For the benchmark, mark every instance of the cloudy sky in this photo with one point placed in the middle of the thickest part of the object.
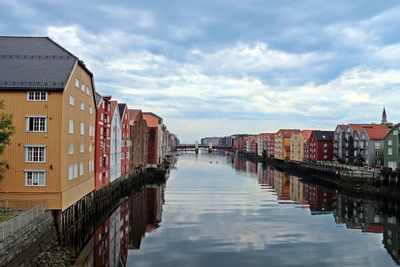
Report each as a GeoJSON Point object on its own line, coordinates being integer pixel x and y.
{"type": "Point", "coordinates": [227, 66]}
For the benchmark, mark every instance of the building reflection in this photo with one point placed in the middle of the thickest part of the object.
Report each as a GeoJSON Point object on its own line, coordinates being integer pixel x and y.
{"type": "Point", "coordinates": [368, 216]}
{"type": "Point", "coordinates": [124, 229]}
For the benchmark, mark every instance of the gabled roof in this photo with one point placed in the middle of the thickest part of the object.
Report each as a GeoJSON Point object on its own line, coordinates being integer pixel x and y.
{"type": "Point", "coordinates": [121, 107]}
{"type": "Point", "coordinates": [98, 98]}
{"type": "Point", "coordinates": [152, 119]}
{"type": "Point", "coordinates": [306, 134]}
{"type": "Point", "coordinates": [35, 63]}
{"type": "Point", "coordinates": [377, 133]}
{"type": "Point", "coordinates": [323, 135]}
{"type": "Point", "coordinates": [133, 114]}
{"type": "Point", "coordinates": [287, 133]}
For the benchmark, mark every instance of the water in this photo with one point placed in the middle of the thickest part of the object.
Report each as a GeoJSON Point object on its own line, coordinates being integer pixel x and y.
{"type": "Point", "coordinates": [219, 211]}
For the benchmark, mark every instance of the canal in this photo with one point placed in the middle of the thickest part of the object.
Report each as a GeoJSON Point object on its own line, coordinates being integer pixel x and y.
{"type": "Point", "coordinates": [216, 210]}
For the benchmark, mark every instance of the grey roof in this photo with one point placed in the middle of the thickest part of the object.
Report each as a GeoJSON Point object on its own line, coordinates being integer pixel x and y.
{"type": "Point", "coordinates": [324, 135]}
{"type": "Point", "coordinates": [121, 107]}
{"type": "Point", "coordinates": [34, 63]}
{"type": "Point", "coordinates": [98, 98]}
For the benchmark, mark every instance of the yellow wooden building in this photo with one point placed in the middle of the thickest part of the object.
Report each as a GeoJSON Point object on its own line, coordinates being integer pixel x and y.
{"type": "Point", "coordinates": [297, 144]}
{"type": "Point", "coordinates": [50, 94]}
{"type": "Point", "coordinates": [282, 143]}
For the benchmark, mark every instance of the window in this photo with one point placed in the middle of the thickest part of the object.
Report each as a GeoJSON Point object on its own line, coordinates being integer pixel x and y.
{"type": "Point", "coordinates": [82, 148]}
{"type": "Point", "coordinates": [90, 110]}
{"type": "Point", "coordinates": [390, 152]}
{"type": "Point", "coordinates": [77, 83]}
{"type": "Point", "coordinates": [71, 100]}
{"type": "Point", "coordinates": [35, 178]}
{"type": "Point", "coordinates": [395, 132]}
{"type": "Point", "coordinates": [377, 145]}
{"type": "Point", "coordinates": [87, 90]}
{"type": "Point", "coordinates": [91, 130]}
{"type": "Point", "coordinates": [70, 149]}
{"type": "Point", "coordinates": [82, 105]}
{"type": "Point", "coordinates": [37, 96]}
{"type": "Point", "coordinates": [36, 124]}
{"type": "Point", "coordinates": [82, 128]}
{"type": "Point", "coordinates": [81, 169]}
{"type": "Point", "coordinates": [390, 142]}
{"type": "Point", "coordinates": [90, 148]}
{"type": "Point", "coordinates": [101, 161]}
{"type": "Point", "coordinates": [325, 151]}
{"type": "Point", "coordinates": [35, 154]}
{"type": "Point", "coordinates": [75, 170]}
{"type": "Point", "coordinates": [325, 145]}
{"type": "Point", "coordinates": [82, 87]}
{"type": "Point", "coordinates": [122, 155]}
{"type": "Point", "coordinates": [71, 126]}
{"type": "Point", "coordinates": [127, 155]}
{"type": "Point", "coordinates": [71, 172]}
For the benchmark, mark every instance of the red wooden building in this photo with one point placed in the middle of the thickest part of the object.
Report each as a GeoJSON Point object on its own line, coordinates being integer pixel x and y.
{"type": "Point", "coordinates": [154, 138]}
{"type": "Point", "coordinates": [102, 142]}
{"type": "Point", "coordinates": [320, 146]}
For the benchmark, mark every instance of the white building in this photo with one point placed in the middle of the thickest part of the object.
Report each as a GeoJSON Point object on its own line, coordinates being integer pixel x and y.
{"type": "Point", "coordinates": [115, 143]}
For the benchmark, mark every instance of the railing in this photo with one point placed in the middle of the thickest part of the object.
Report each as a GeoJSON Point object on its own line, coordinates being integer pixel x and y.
{"type": "Point", "coordinates": [9, 227]}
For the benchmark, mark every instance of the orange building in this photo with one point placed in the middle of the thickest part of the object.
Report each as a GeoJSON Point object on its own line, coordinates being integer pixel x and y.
{"type": "Point", "coordinates": [282, 143]}
{"type": "Point", "coordinates": [51, 95]}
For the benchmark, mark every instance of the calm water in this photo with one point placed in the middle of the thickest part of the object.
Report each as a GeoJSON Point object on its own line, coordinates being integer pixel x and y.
{"type": "Point", "coordinates": [219, 211]}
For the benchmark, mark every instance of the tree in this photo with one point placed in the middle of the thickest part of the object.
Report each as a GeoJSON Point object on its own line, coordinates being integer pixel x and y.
{"type": "Point", "coordinates": [389, 124]}
{"type": "Point", "coordinates": [6, 131]}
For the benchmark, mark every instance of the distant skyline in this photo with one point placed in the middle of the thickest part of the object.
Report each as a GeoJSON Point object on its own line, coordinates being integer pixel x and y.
{"type": "Point", "coordinates": [228, 67]}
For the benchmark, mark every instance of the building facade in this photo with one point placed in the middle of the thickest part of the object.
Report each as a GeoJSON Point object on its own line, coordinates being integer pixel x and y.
{"type": "Point", "coordinates": [391, 148]}
{"type": "Point", "coordinates": [126, 142]}
{"type": "Point", "coordinates": [297, 144]}
{"type": "Point", "coordinates": [262, 143]}
{"type": "Point", "coordinates": [115, 142]}
{"type": "Point", "coordinates": [51, 155]}
{"type": "Point", "coordinates": [370, 145]}
{"type": "Point", "coordinates": [139, 137]}
{"type": "Point", "coordinates": [154, 151]}
{"type": "Point", "coordinates": [103, 139]}
{"type": "Point", "coordinates": [282, 143]}
{"type": "Point", "coordinates": [321, 146]}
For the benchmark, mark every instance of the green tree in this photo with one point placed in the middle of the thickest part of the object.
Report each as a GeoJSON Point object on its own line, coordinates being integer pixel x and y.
{"type": "Point", "coordinates": [389, 124]}
{"type": "Point", "coordinates": [6, 131]}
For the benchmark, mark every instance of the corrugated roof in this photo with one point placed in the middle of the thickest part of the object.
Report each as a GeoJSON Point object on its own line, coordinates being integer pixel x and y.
{"type": "Point", "coordinates": [34, 63]}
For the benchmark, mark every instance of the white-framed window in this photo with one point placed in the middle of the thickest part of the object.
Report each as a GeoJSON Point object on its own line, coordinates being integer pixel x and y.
{"type": "Point", "coordinates": [82, 148]}
{"type": "Point", "coordinates": [35, 153]}
{"type": "Point", "coordinates": [76, 170]}
{"type": "Point", "coordinates": [390, 151]}
{"type": "Point", "coordinates": [101, 161]}
{"type": "Point", "coordinates": [71, 126]}
{"type": "Point", "coordinates": [91, 130]}
{"type": "Point", "coordinates": [37, 96]}
{"type": "Point", "coordinates": [36, 124]}
{"type": "Point", "coordinates": [82, 128]}
{"type": "Point", "coordinates": [122, 155]}
{"type": "Point", "coordinates": [81, 171]}
{"type": "Point", "coordinates": [87, 90]}
{"type": "Point", "coordinates": [82, 105]}
{"type": "Point", "coordinates": [77, 83]}
{"type": "Point", "coordinates": [35, 178]}
{"type": "Point", "coordinates": [392, 164]}
{"type": "Point", "coordinates": [390, 142]}
{"type": "Point", "coordinates": [325, 151]}
{"type": "Point", "coordinates": [90, 110]}
{"type": "Point", "coordinates": [325, 156]}
{"type": "Point", "coordinates": [71, 100]}
{"type": "Point", "coordinates": [71, 172]}
{"type": "Point", "coordinates": [127, 155]}
{"type": "Point", "coordinates": [70, 149]}
{"type": "Point", "coordinates": [377, 145]}
{"type": "Point", "coordinates": [395, 132]}
{"type": "Point", "coordinates": [325, 145]}
{"type": "Point", "coordinates": [90, 148]}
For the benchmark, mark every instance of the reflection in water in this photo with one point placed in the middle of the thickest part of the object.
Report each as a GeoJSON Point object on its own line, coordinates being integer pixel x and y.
{"type": "Point", "coordinates": [217, 216]}
{"type": "Point", "coordinates": [125, 228]}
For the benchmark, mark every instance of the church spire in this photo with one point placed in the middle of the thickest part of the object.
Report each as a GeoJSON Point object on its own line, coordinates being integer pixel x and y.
{"type": "Point", "coordinates": [384, 117]}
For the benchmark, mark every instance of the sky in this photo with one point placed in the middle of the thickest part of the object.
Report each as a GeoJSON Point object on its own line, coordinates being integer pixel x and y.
{"type": "Point", "coordinates": [215, 68]}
